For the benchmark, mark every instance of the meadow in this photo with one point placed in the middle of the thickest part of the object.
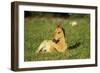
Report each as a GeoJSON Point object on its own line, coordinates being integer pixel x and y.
{"type": "Point", "coordinates": [41, 27]}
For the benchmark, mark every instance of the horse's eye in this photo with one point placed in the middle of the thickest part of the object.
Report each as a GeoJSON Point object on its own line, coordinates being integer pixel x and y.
{"type": "Point", "coordinates": [59, 32]}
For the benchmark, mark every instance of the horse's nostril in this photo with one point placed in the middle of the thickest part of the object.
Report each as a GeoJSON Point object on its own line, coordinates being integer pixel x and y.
{"type": "Point", "coordinates": [54, 40]}
{"type": "Point", "coordinates": [57, 41]}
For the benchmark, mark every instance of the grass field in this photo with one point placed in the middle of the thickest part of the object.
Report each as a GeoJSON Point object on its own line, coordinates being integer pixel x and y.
{"type": "Point", "coordinates": [37, 29]}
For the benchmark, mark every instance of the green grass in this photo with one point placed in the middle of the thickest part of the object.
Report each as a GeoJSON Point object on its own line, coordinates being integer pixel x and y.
{"type": "Point", "coordinates": [37, 29]}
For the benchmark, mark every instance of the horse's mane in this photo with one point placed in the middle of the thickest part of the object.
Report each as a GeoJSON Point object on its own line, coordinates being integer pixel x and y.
{"type": "Point", "coordinates": [63, 31]}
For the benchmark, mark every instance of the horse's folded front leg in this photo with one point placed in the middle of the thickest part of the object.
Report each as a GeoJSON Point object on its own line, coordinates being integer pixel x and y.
{"type": "Point", "coordinates": [55, 47]}
{"type": "Point", "coordinates": [58, 48]}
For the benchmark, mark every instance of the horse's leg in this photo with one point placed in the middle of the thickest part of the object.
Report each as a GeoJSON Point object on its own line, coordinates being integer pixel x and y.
{"type": "Point", "coordinates": [40, 48]}
{"type": "Point", "coordinates": [58, 48]}
{"type": "Point", "coordinates": [55, 47]}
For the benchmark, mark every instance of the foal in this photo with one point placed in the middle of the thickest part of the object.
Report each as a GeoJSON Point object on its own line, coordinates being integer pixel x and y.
{"type": "Point", "coordinates": [56, 44]}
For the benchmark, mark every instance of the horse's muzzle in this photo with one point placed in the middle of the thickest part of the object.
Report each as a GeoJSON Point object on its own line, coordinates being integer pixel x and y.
{"type": "Point", "coordinates": [55, 41]}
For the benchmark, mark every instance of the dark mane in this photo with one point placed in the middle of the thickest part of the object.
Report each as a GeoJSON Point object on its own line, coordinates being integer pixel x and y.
{"type": "Point", "coordinates": [63, 31]}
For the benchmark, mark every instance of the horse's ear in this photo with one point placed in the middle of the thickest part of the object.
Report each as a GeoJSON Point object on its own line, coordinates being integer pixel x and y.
{"type": "Point", "coordinates": [59, 25]}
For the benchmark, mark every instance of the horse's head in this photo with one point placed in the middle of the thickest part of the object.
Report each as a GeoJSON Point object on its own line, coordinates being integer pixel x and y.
{"type": "Point", "coordinates": [59, 33]}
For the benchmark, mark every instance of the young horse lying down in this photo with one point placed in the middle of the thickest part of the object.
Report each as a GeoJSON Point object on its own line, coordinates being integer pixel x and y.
{"type": "Point", "coordinates": [56, 44]}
